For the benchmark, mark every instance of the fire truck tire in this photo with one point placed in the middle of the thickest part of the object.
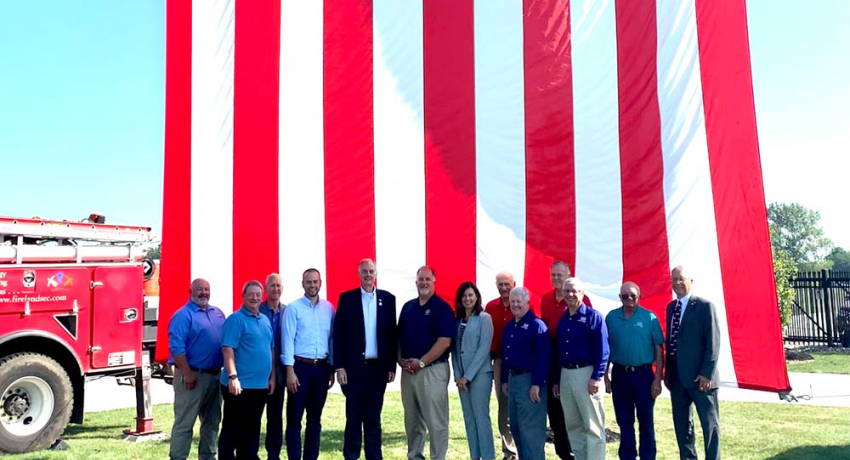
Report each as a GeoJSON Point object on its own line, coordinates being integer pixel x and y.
{"type": "Point", "coordinates": [36, 401]}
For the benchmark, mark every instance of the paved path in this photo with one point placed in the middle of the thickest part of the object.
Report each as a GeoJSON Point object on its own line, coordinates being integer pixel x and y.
{"type": "Point", "coordinates": [810, 389]}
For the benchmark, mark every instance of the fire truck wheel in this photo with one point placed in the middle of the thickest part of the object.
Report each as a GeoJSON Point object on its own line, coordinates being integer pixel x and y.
{"type": "Point", "coordinates": [35, 402]}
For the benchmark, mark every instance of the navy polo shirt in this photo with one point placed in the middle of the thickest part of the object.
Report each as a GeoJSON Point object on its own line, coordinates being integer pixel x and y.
{"type": "Point", "coordinates": [526, 347]}
{"type": "Point", "coordinates": [250, 336]}
{"type": "Point", "coordinates": [419, 327]}
{"type": "Point", "coordinates": [583, 339]}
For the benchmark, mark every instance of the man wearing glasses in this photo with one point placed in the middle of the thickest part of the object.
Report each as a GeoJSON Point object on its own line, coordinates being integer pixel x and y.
{"type": "Point", "coordinates": [635, 339]}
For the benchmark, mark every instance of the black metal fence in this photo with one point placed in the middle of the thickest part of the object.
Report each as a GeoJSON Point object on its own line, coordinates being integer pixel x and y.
{"type": "Point", "coordinates": [821, 309]}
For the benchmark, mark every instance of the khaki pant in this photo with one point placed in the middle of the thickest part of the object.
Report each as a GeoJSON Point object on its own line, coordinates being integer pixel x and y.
{"type": "Point", "coordinates": [425, 397]}
{"type": "Point", "coordinates": [508, 446]}
{"type": "Point", "coordinates": [204, 402]}
{"type": "Point", "coordinates": [583, 414]}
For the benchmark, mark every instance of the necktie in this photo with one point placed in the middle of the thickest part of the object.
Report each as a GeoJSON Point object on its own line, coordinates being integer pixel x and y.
{"type": "Point", "coordinates": [674, 328]}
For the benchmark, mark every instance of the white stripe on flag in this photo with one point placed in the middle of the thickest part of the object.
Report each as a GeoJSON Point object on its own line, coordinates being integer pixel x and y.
{"type": "Point", "coordinates": [689, 203]}
{"type": "Point", "coordinates": [399, 145]}
{"type": "Point", "coordinates": [599, 225]}
{"type": "Point", "coordinates": [301, 191]}
{"type": "Point", "coordinates": [212, 147]}
{"type": "Point", "coordinates": [499, 142]}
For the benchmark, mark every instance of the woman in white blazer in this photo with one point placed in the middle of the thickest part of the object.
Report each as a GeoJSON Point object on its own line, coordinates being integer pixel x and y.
{"type": "Point", "coordinates": [473, 370]}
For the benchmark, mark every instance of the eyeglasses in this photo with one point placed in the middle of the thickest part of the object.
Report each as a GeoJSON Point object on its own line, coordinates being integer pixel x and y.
{"type": "Point", "coordinates": [628, 297]}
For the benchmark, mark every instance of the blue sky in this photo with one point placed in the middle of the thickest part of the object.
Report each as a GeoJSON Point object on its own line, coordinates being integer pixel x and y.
{"type": "Point", "coordinates": [81, 107]}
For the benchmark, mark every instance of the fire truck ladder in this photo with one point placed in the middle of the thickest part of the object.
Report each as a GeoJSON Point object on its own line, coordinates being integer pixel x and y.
{"type": "Point", "coordinates": [40, 241]}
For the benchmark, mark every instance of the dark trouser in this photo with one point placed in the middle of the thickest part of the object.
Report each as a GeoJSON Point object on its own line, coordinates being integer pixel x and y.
{"type": "Point", "coordinates": [559, 428]}
{"type": "Point", "coordinates": [632, 393]}
{"type": "Point", "coordinates": [274, 420]}
{"type": "Point", "coordinates": [240, 426]}
{"type": "Point", "coordinates": [682, 398]}
{"type": "Point", "coordinates": [364, 400]}
{"type": "Point", "coordinates": [311, 396]}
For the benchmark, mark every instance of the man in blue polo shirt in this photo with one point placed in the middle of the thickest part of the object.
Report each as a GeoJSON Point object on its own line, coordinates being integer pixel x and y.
{"type": "Point", "coordinates": [582, 340]}
{"type": "Point", "coordinates": [526, 354]}
{"type": "Point", "coordinates": [426, 326]}
{"type": "Point", "coordinates": [634, 334]}
{"type": "Point", "coordinates": [248, 376]}
{"type": "Point", "coordinates": [273, 309]}
{"type": "Point", "coordinates": [194, 340]}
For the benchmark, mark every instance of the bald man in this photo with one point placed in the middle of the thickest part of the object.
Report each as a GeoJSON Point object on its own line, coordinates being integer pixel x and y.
{"type": "Point", "coordinates": [635, 339]}
{"type": "Point", "coordinates": [194, 343]}
{"type": "Point", "coordinates": [693, 347]}
{"type": "Point", "coordinates": [499, 310]}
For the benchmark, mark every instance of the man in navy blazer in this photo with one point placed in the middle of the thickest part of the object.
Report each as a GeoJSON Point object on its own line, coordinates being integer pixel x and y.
{"type": "Point", "coordinates": [365, 345]}
{"type": "Point", "coordinates": [693, 346]}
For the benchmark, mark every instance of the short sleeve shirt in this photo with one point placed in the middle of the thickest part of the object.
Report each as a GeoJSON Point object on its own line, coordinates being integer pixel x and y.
{"type": "Point", "coordinates": [501, 314]}
{"type": "Point", "coordinates": [633, 340]}
{"type": "Point", "coordinates": [419, 327]}
{"type": "Point", "coordinates": [250, 337]}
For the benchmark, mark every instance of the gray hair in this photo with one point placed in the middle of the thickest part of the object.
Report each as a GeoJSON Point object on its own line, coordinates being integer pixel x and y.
{"type": "Point", "coordinates": [249, 284]}
{"type": "Point", "coordinates": [520, 291]}
{"type": "Point", "coordinates": [560, 262]}
{"type": "Point", "coordinates": [273, 276]}
{"type": "Point", "coordinates": [574, 282]}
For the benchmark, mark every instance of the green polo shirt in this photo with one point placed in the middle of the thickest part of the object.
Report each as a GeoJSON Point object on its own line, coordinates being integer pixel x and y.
{"type": "Point", "coordinates": [633, 340]}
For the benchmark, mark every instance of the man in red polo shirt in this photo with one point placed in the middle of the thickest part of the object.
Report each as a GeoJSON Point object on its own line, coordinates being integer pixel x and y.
{"type": "Point", "coordinates": [552, 307]}
{"type": "Point", "coordinates": [499, 310]}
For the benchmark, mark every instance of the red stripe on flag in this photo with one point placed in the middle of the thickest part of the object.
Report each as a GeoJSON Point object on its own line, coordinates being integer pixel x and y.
{"type": "Point", "coordinates": [255, 143]}
{"type": "Point", "coordinates": [177, 195]}
{"type": "Point", "coordinates": [739, 204]}
{"type": "Point", "coordinates": [349, 142]}
{"type": "Point", "coordinates": [549, 149]}
{"type": "Point", "coordinates": [645, 246]}
{"type": "Point", "coordinates": [449, 85]}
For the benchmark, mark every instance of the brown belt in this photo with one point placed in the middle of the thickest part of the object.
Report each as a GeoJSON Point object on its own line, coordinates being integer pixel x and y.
{"type": "Point", "coordinates": [313, 362]}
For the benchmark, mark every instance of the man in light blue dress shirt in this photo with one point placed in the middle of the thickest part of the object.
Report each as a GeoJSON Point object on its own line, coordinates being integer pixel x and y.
{"type": "Point", "coordinates": [306, 344]}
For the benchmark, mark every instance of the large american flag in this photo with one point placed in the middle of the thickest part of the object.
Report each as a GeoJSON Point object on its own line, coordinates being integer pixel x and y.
{"type": "Point", "coordinates": [474, 136]}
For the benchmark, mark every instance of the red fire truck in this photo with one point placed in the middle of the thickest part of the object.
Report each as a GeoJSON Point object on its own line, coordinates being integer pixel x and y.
{"type": "Point", "coordinates": [71, 307]}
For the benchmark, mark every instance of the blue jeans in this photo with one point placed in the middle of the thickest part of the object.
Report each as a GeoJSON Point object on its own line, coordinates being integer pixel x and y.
{"type": "Point", "coordinates": [632, 394]}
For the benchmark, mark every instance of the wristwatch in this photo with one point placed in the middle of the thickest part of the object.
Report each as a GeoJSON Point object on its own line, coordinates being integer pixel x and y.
{"type": "Point", "coordinates": [232, 377]}
{"type": "Point", "coordinates": [421, 364]}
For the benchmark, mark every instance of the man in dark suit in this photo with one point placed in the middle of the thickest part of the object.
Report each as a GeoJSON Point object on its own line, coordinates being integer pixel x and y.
{"type": "Point", "coordinates": [693, 342]}
{"type": "Point", "coordinates": [365, 346]}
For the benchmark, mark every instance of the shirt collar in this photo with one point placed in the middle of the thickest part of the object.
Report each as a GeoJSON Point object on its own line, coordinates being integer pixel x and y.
{"type": "Point", "coordinates": [247, 312]}
{"type": "Point", "coordinates": [685, 300]}
{"type": "Point", "coordinates": [264, 307]}
{"type": "Point", "coordinates": [370, 294]}
{"type": "Point", "coordinates": [527, 317]}
{"type": "Point", "coordinates": [307, 302]}
{"type": "Point", "coordinates": [197, 307]}
{"type": "Point", "coordinates": [621, 312]}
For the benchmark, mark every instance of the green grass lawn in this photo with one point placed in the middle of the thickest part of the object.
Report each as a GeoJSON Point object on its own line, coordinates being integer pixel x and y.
{"type": "Point", "coordinates": [749, 431]}
{"type": "Point", "coordinates": [824, 362]}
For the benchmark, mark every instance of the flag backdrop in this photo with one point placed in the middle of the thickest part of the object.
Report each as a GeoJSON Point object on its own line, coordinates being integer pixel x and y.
{"type": "Point", "coordinates": [475, 136]}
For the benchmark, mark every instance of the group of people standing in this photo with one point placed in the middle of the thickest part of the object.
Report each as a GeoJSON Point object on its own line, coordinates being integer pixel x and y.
{"type": "Point", "coordinates": [557, 360]}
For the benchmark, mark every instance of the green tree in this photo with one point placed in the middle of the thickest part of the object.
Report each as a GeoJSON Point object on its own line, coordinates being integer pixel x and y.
{"type": "Point", "coordinates": [795, 230]}
{"type": "Point", "coordinates": [784, 269]}
{"type": "Point", "coordinates": [154, 252]}
{"type": "Point", "coordinates": [840, 259]}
